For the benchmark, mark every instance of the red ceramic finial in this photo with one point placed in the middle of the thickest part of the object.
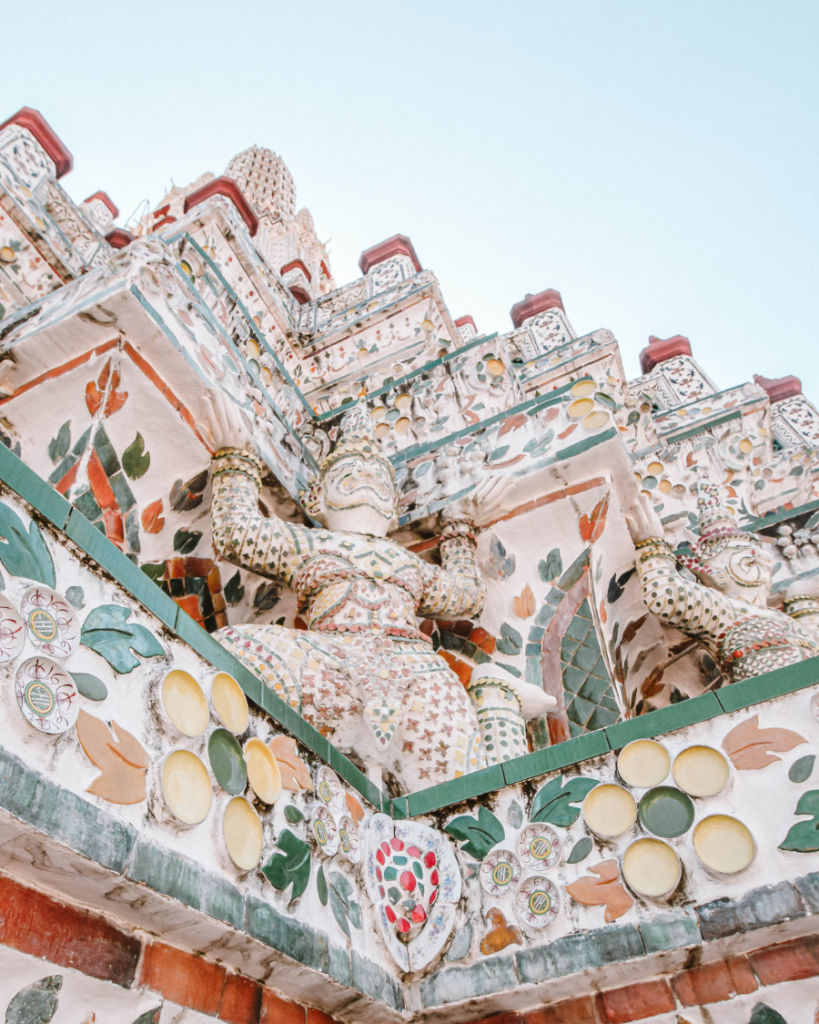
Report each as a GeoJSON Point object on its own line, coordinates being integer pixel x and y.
{"type": "Point", "coordinates": [534, 304]}
{"type": "Point", "coordinates": [779, 388]}
{"type": "Point", "coordinates": [660, 349]}
{"type": "Point", "coordinates": [398, 245]}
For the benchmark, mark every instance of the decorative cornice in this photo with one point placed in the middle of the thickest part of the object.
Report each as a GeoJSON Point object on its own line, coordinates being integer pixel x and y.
{"type": "Point", "coordinates": [42, 131]}
{"type": "Point", "coordinates": [227, 187]}
{"type": "Point", "coordinates": [398, 245]}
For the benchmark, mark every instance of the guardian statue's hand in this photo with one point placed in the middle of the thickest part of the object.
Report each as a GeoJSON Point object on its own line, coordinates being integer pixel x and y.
{"type": "Point", "coordinates": [643, 521]}
{"type": "Point", "coordinates": [225, 424]}
{"type": "Point", "coordinates": [481, 505]}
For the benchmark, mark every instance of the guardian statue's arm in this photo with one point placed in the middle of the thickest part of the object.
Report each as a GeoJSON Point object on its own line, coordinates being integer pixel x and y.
{"type": "Point", "coordinates": [269, 547]}
{"type": "Point", "coordinates": [455, 589]}
{"type": "Point", "coordinates": [690, 606]}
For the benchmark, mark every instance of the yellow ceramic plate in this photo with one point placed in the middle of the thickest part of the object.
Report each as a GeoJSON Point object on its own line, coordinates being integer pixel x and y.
{"type": "Point", "coordinates": [185, 702]}
{"type": "Point", "coordinates": [643, 763]}
{"type": "Point", "coordinates": [609, 810]}
{"type": "Point", "coordinates": [186, 787]}
{"type": "Point", "coordinates": [243, 833]}
{"type": "Point", "coordinates": [723, 844]}
{"type": "Point", "coordinates": [230, 703]}
{"type": "Point", "coordinates": [582, 407]}
{"type": "Point", "coordinates": [651, 867]}
{"type": "Point", "coordinates": [263, 771]}
{"type": "Point", "coordinates": [583, 388]}
{"type": "Point", "coordinates": [595, 420]}
{"type": "Point", "coordinates": [700, 771]}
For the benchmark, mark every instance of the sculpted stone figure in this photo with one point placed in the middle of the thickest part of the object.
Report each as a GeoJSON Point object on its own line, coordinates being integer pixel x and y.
{"type": "Point", "coordinates": [727, 608]}
{"type": "Point", "coordinates": [362, 672]}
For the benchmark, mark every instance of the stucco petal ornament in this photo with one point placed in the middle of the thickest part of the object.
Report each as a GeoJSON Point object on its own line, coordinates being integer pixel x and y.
{"type": "Point", "coordinates": [417, 916]}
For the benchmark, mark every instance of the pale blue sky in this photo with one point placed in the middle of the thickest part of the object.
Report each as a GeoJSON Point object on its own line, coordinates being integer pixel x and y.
{"type": "Point", "coordinates": [654, 161]}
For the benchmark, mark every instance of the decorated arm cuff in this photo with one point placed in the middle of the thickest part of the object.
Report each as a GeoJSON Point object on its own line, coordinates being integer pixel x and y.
{"type": "Point", "coordinates": [456, 528]}
{"type": "Point", "coordinates": [801, 605]}
{"type": "Point", "coordinates": [238, 460]}
{"type": "Point", "coordinates": [654, 547]}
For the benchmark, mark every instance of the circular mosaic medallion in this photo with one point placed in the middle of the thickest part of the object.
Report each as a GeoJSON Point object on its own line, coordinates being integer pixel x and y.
{"type": "Point", "coordinates": [52, 624]}
{"type": "Point", "coordinates": [537, 901]}
{"type": "Point", "coordinates": [12, 631]}
{"type": "Point", "coordinates": [325, 831]}
{"type": "Point", "coordinates": [538, 847]}
{"type": "Point", "coordinates": [408, 880]}
{"type": "Point", "coordinates": [348, 840]}
{"type": "Point", "coordinates": [329, 790]}
{"type": "Point", "coordinates": [499, 871]}
{"type": "Point", "coordinates": [46, 695]}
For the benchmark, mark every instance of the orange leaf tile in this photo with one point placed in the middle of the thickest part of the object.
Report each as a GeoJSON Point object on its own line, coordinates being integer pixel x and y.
{"type": "Point", "coordinates": [121, 759]}
{"type": "Point", "coordinates": [295, 773]}
{"type": "Point", "coordinates": [605, 890]}
{"type": "Point", "coordinates": [524, 603]}
{"type": "Point", "coordinates": [748, 746]}
{"type": "Point", "coordinates": [152, 521]}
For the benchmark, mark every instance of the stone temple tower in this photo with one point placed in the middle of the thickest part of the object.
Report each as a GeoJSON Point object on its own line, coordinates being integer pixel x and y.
{"type": "Point", "coordinates": [285, 238]}
{"type": "Point", "coordinates": [265, 181]}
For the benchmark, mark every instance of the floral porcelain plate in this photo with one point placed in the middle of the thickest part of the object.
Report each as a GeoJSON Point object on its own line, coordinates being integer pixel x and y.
{"type": "Point", "coordinates": [537, 901]}
{"type": "Point", "coordinates": [538, 847]}
{"type": "Point", "coordinates": [52, 624]}
{"type": "Point", "coordinates": [46, 695]}
{"type": "Point", "coordinates": [500, 870]}
{"type": "Point", "coordinates": [12, 631]}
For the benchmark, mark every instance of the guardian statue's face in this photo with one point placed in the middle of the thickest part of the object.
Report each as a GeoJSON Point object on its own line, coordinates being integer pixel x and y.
{"type": "Point", "coordinates": [358, 495]}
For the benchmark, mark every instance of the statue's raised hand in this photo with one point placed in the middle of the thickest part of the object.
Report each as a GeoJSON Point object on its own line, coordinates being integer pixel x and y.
{"type": "Point", "coordinates": [226, 425]}
{"type": "Point", "coordinates": [481, 505]}
{"type": "Point", "coordinates": [643, 521]}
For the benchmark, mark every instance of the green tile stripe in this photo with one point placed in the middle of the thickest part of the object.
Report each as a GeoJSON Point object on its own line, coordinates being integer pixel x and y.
{"type": "Point", "coordinates": [772, 684]}
{"type": "Point", "coordinates": [59, 512]}
{"type": "Point", "coordinates": [701, 427]}
{"type": "Point", "coordinates": [763, 522]}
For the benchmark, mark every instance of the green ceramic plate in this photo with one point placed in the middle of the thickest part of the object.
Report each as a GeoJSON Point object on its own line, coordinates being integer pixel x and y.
{"type": "Point", "coordinates": [666, 811]}
{"type": "Point", "coordinates": [227, 761]}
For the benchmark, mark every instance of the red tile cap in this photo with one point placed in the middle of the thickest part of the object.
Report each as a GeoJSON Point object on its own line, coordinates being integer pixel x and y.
{"type": "Point", "coordinates": [119, 238]}
{"type": "Point", "coordinates": [45, 135]}
{"type": "Point", "coordinates": [779, 387]}
{"type": "Point", "coordinates": [534, 304]}
{"type": "Point", "coordinates": [296, 265]}
{"type": "Point", "coordinates": [660, 349]}
{"type": "Point", "coordinates": [105, 198]}
{"type": "Point", "coordinates": [462, 321]}
{"type": "Point", "coordinates": [227, 187]}
{"type": "Point", "coordinates": [398, 245]}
